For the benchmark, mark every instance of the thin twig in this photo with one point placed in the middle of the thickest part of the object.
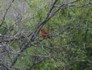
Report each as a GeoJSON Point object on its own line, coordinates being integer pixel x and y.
{"type": "Point", "coordinates": [3, 19]}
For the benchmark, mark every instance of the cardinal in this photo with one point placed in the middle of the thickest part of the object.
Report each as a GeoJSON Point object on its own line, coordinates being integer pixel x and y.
{"type": "Point", "coordinates": [44, 33]}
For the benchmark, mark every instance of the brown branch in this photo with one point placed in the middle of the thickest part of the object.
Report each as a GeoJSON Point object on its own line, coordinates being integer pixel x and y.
{"type": "Point", "coordinates": [52, 7]}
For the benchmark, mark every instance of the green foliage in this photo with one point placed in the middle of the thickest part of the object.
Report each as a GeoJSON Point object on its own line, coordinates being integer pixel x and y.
{"type": "Point", "coordinates": [71, 50]}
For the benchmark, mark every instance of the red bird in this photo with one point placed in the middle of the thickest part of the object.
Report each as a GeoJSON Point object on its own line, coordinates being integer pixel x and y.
{"type": "Point", "coordinates": [44, 33]}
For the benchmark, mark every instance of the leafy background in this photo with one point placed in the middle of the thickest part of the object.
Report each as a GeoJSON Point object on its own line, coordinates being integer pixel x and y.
{"type": "Point", "coordinates": [70, 50]}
